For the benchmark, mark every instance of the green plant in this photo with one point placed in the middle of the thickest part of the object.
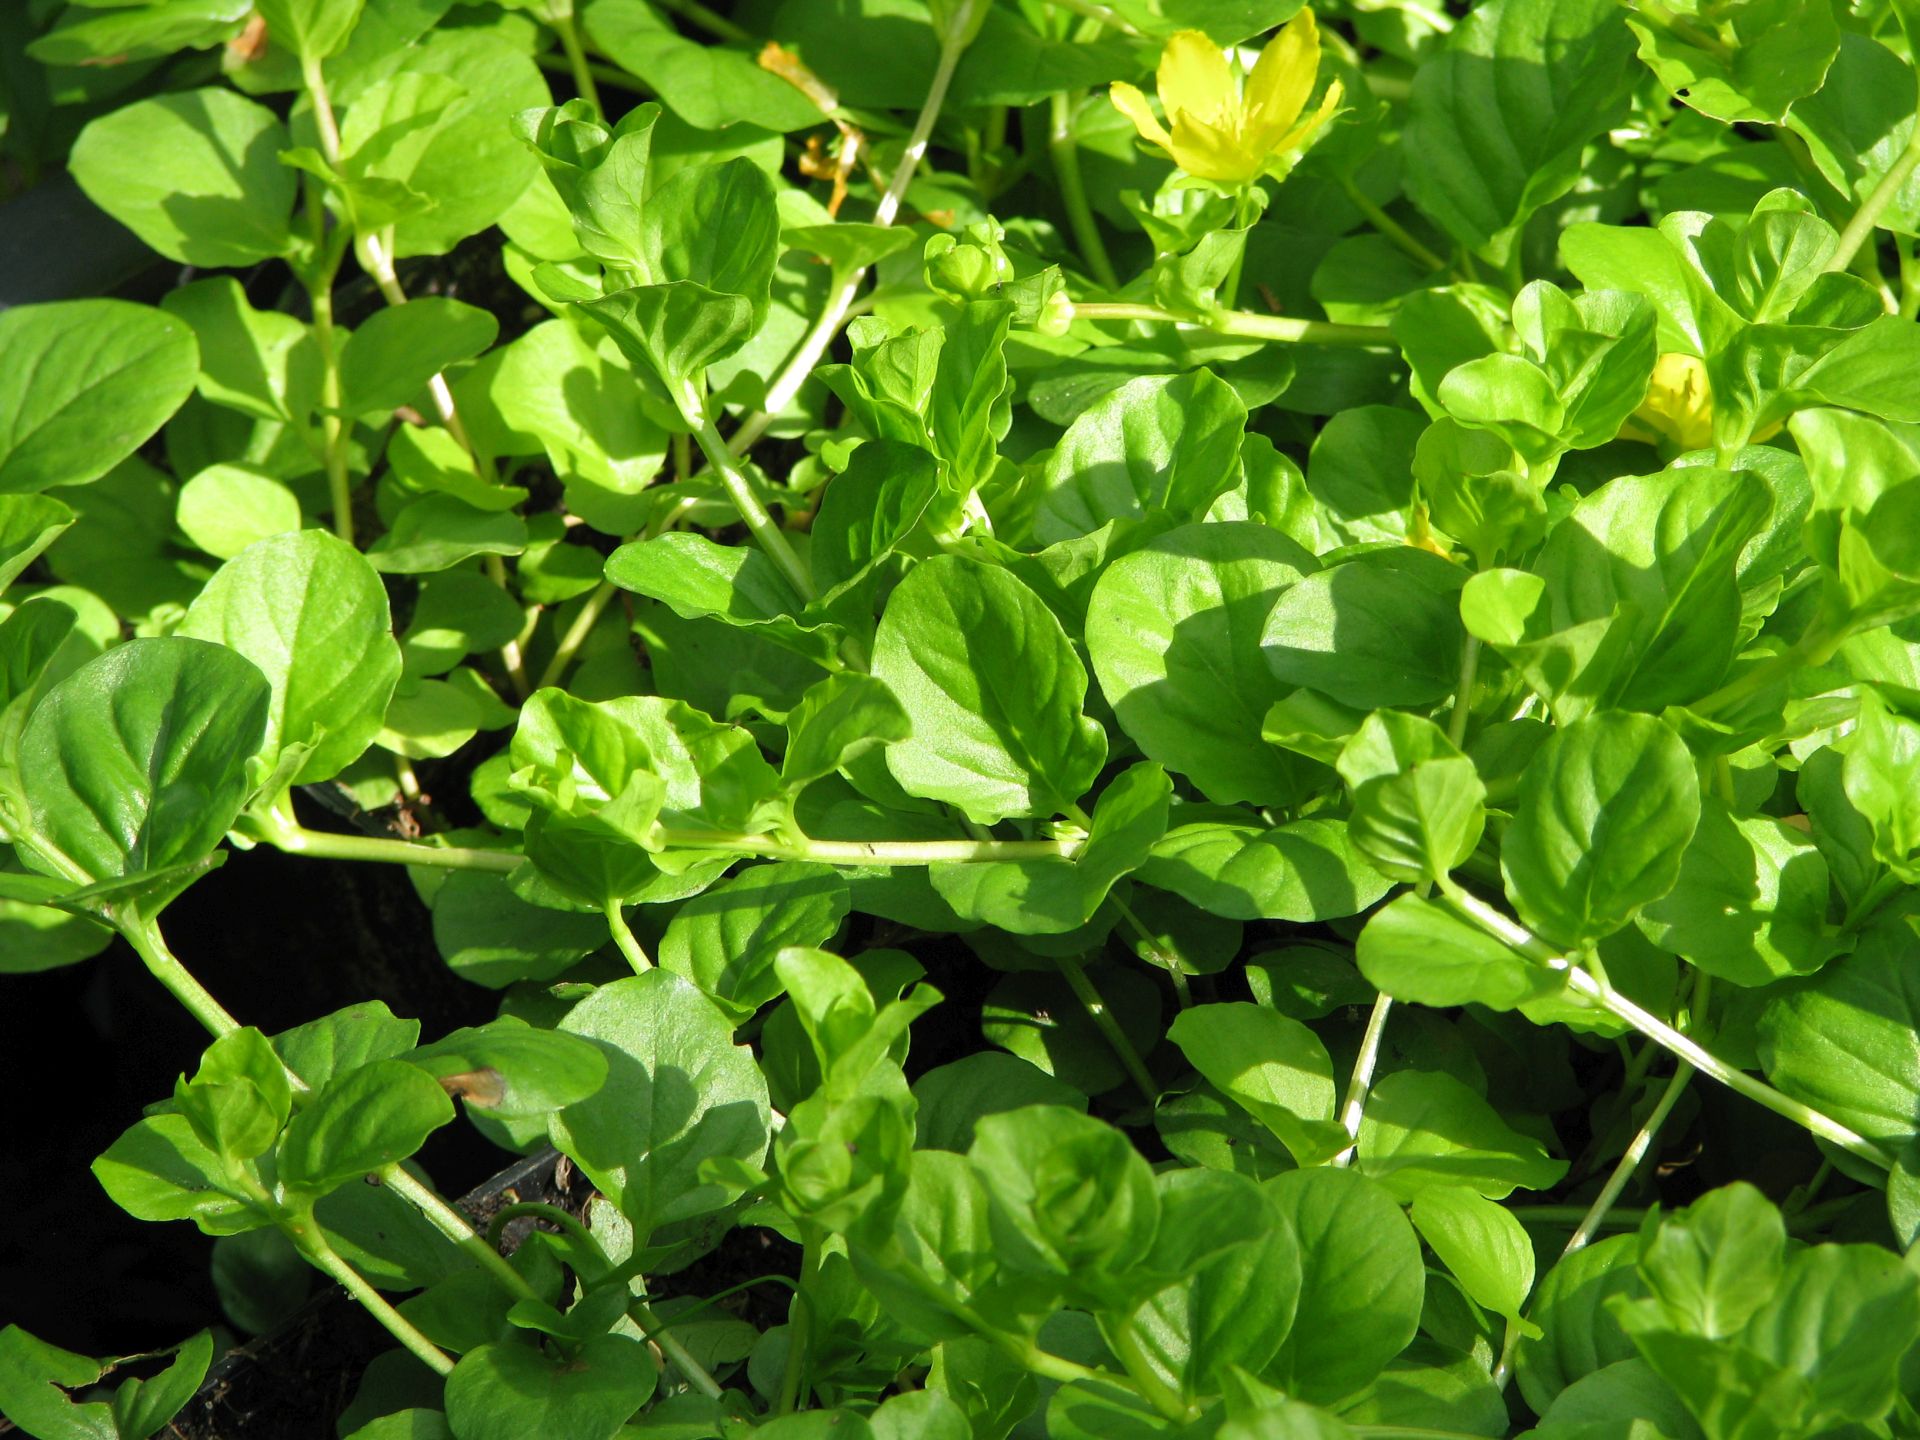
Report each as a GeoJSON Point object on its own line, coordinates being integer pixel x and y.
{"type": "Point", "coordinates": [1411, 698]}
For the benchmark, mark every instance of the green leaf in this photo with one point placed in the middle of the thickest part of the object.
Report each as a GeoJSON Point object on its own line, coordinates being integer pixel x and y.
{"type": "Point", "coordinates": [225, 508]}
{"type": "Point", "coordinates": [1480, 1242]}
{"type": "Point", "coordinates": [1845, 1317]}
{"type": "Point", "coordinates": [1233, 1303]}
{"type": "Point", "coordinates": [509, 1069]}
{"type": "Point", "coordinates": [466, 158]}
{"type": "Point", "coordinates": [1156, 443]}
{"type": "Point", "coordinates": [1361, 1286]}
{"type": "Point", "coordinates": [261, 362]}
{"type": "Point", "coordinates": [490, 936]}
{"type": "Point", "coordinates": [1750, 903]}
{"type": "Point", "coordinates": [1304, 870]}
{"type": "Point", "coordinates": [1174, 631]}
{"type": "Point", "coordinates": [1420, 950]}
{"type": "Point", "coordinates": [993, 690]}
{"type": "Point", "coordinates": [83, 384]}
{"type": "Point", "coordinates": [438, 532]}
{"type": "Point", "coordinates": [1605, 815]}
{"type": "Point", "coordinates": [141, 1407]}
{"type": "Point", "coordinates": [1857, 123]}
{"type": "Point", "coordinates": [1579, 1335]}
{"type": "Point", "coordinates": [1841, 1041]}
{"type": "Point", "coordinates": [1419, 805]}
{"type": "Point", "coordinates": [679, 1092]}
{"type": "Point", "coordinates": [1424, 1128]}
{"type": "Point", "coordinates": [88, 36]}
{"type": "Point", "coordinates": [1381, 629]}
{"type": "Point", "coordinates": [1500, 116]}
{"type": "Point", "coordinates": [508, 1390]}
{"type": "Point", "coordinates": [1270, 1064]}
{"type": "Point", "coordinates": [372, 1116]}
{"type": "Point", "coordinates": [1051, 897]}
{"type": "Point", "coordinates": [239, 1098]}
{"type": "Point", "coordinates": [312, 29]}
{"type": "Point", "coordinates": [138, 760]}
{"type": "Point", "coordinates": [33, 1378]}
{"type": "Point", "coordinates": [869, 509]}
{"type": "Point", "coordinates": [1072, 1200]}
{"type": "Point", "coordinates": [1634, 601]}
{"type": "Point", "coordinates": [716, 226]}
{"type": "Point", "coordinates": [159, 1170]}
{"type": "Point", "coordinates": [1748, 61]}
{"type": "Point", "coordinates": [952, 1098]}
{"type": "Point", "coordinates": [725, 939]}
{"type": "Point", "coordinates": [1713, 1264]}
{"type": "Point", "coordinates": [323, 1049]}
{"type": "Point", "coordinates": [676, 330]}
{"type": "Point", "coordinates": [388, 361]}
{"type": "Point", "coordinates": [312, 615]}
{"type": "Point", "coordinates": [837, 721]}
{"type": "Point", "coordinates": [709, 86]}
{"type": "Point", "coordinates": [599, 173]}
{"type": "Point", "coordinates": [197, 175]}
{"type": "Point", "coordinates": [28, 525]}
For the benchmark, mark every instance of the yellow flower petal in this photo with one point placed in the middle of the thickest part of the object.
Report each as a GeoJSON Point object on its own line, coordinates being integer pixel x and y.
{"type": "Point", "coordinates": [1128, 100]}
{"type": "Point", "coordinates": [1301, 135]}
{"type": "Point", "coordinates": [1283, 77]}
{"type": "Point", "coordinates": [1211, 152]}
{"type": "Point", "coordinates": [1194, 77]}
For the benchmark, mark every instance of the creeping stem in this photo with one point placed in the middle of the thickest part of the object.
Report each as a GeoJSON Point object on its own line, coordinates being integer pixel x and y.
{"type": "Point", "coordinates": [1245, 324]}
{"type": "Point", "coordinates": [1603, 997]}
{"type": "Point", "coordinates": [1065, 151]}
{"type": "Point", "coordinates": [313, 1245]}
{"type": "Point", "coordinates": [623, 937]}
{"type": "Point", "coordinates": [780, 394]}
{"type": "Point", "coordinates": [739, 487]}
{"type": "Point", "coordinates": [1874, 206]}
{"type": "Point", "coordinates": [321, 844]}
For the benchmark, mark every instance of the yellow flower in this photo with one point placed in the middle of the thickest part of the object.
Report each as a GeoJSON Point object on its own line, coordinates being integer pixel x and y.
{"type": "Point", "coordinates": [1677, 414]}
{"type": "Point", "coordinates": [1220, 132]}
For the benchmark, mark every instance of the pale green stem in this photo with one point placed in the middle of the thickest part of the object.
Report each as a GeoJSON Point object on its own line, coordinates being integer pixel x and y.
{"type": "Point", "coordinates": [147, 942]}
{"type": "Point", "coordinates": [569, 33]}
{"type": "Point", "coordinates": [739, 487]}
{"type": "Point", "coordinates": [710, 20]}
{"type": "Point", "coordinates": [1183, 992]}
{"type": "Point", "coordinates": [1463, 696]}
{"type": "Point", "coordinates": [1362, 1079]}
{"type": "Point", "coordinates": [780, 394]}
{"type": "Point", "coordinates": [1391, 229]}
{"type": "Point", "coordinates": [1860, 227]}
{"type": "Point", "coordinates": [1596, 1213]}
{"type": "Point", "coordinates": [333, 428]}
{"type": "Point", "coordinates": [661, 1334]}
{"type": "Point", "coordinates": [298, 840]}
{"type": "Point", "coordinates": [1073, 191]}
{"type": "Point", "coordinates": [1245, 324]}
{"type": "Point", "coordinates": [313, 1244]}
{"type": "Point", "coordinates": [577, 632]}
{"type": "Point", "coordinates": [1103, 1021]}
{"type": "Point", "coordinates": [1093, 10]}
{"type": "Point", "coordinates": [452, 1224]}
{"type": "Point", "coordinates": [1604, 997]}
{"type": "Point", "coordinates": [623, 937]}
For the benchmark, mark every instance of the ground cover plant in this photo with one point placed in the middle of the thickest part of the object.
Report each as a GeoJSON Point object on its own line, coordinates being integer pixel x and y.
{"type": "Point", "coordinates": [1213, 709]}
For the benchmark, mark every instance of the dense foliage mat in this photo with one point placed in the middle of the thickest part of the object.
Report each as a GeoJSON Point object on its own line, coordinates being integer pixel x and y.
{"type": "Point", "coordinates": [1210, 717]}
